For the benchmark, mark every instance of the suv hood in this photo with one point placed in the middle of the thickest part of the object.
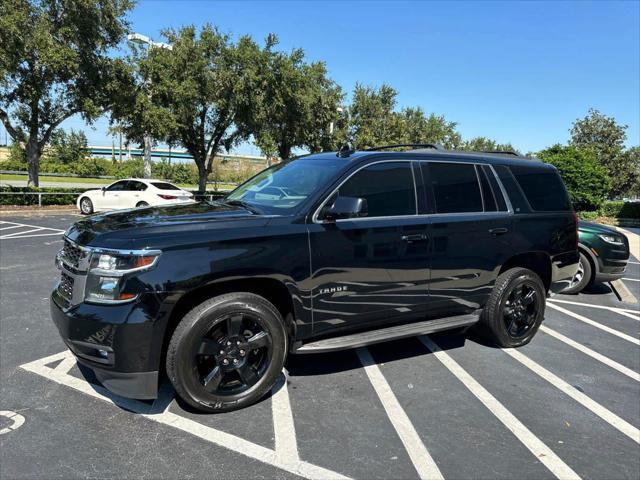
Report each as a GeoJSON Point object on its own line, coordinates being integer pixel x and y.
{"type": "Point", "coordinates": [139, 228]}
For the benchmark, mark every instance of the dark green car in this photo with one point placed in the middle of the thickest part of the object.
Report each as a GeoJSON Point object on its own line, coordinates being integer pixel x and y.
{"type": "Point", "coordinates": [604, 253]}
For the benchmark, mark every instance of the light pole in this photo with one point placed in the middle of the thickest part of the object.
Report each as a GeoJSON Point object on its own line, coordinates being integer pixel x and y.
{"type": "Point", "coordinates": [147, 140]}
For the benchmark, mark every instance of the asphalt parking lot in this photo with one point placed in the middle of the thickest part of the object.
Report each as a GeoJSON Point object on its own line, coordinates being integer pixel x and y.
{"type": "Point", "coordinates": [444, 406]}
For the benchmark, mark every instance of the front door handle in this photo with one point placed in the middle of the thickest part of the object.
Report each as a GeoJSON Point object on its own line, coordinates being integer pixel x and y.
{"type": "Point", "coordinates": [498, 231]}
{"type": "Point", "coordinates": [414, 238]}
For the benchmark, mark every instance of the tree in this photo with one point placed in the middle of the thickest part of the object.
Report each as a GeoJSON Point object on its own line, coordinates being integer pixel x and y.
{"type": "Point", "coordinates": [67, 148]}
{"type": "Point", "coordinates": [484, 144]}
{"type": "Point", "coordinates": [296, 105]}
{"type": "Point", "coordinates": [586, 180]}
{"type": "Point", "coordinates": [631, 161]}
{"type": "Point", "coordinates": [605, 138]}
{"type": "Point", "coordinates": [54, 63]}
{"type": "Point", "coordinates": [418, 128]}
{"type": "Point", "coordinates": [204, 88]}
{"type": "Point", "coordinates": [372, 117]}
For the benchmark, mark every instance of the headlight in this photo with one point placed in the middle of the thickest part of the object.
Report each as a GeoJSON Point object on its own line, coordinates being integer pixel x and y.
{"type": "Point", "coordinates": [107, 271]}
{"type": "Point", "coordinates": [613, 239]}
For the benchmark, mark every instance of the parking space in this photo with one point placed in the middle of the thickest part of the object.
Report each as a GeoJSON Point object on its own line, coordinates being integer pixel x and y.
{"type": "Point", "coordinates": [442, 406]}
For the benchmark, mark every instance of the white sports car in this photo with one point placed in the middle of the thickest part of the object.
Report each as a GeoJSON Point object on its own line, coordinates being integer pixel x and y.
{"type": "Point", "coordinates": [132, 193]}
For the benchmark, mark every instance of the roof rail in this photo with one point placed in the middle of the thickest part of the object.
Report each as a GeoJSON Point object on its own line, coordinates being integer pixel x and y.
{"type": "Point", "coordinates": [435, 146]}
{"type": "Point", "coordinates": [502, 152]}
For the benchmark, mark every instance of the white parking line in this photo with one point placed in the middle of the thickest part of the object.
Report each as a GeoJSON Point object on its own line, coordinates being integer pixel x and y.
{"type": "Point", "coordinates": [591, 305]}
{"type": "Point", "coordinates": [622, 311]}
{"type": "Point", "coordinates": [634, 263]}
{"type": "Point", "coordinates": [164, 416]}
{"type": "Point", "coordinates": [283, 426]}
{"type": "Point", "coordinates": [631, 279]}
{"type": "Point", "coordinates": [536, 446]}
{"type": "Point", "coordinates": [420, 457]}
{"type": "Point", "coordinates": [29, 233]}
{"type": "Point", "coordinates": [593, 323]}
{"type": "Point", "coordinates": [13, 234]}
{"type": "Point", "coordinates": [608, 416]}
{"type": "Point", "coordinates": [593, 354]}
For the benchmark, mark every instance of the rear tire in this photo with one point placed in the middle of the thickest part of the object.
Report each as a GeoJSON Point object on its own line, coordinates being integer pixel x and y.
{"type": "Point", "coordinates": [583, 277]}
{"type": "Point", "coordinates": [227, 352]}
{"type": "Point", "coordinates": [141, 204]}
{"type": "Point", "coordinates": [86, 206]}
{"type": "Point", "coordinates": [514, 310]}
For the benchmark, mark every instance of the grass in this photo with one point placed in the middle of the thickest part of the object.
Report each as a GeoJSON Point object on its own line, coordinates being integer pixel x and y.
{"type": "Point", "coordinates": [96, 181]}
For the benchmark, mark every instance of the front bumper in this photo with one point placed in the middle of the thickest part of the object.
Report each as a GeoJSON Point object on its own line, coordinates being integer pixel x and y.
{"type": "Point", "coordinates": [116, 342]}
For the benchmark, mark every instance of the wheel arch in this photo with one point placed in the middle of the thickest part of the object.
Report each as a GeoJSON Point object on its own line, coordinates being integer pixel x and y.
{"type": "Point", "coordinates": [582, 248]}
{"type": "Point", "coordinates": [538, 262]}
{"type": "Point", "coordinates": [273, 290]}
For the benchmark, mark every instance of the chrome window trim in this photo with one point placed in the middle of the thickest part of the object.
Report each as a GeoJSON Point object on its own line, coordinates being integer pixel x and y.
{"type": "Point", "coordinates": [502, 189]}
{"type": "Point", "coordinates": [419, 161]}
{"type": "Point", "coordinates": [475, 169]}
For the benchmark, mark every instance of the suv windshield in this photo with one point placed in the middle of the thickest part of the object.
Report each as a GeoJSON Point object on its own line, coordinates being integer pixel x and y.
{"type": "Point", "coordinates": [286, 185]}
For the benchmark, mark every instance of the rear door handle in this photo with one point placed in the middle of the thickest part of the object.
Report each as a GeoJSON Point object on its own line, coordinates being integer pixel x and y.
{"type": "Point", "coordinates": [498, 231]}
{"type": "Point", "coordinates": [414, 238]}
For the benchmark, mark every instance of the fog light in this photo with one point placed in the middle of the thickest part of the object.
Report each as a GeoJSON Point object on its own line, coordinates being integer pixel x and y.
{"type": "Point", "coordinates": [103, 353]}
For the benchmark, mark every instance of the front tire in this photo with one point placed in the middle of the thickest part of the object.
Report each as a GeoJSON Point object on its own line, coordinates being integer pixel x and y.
{"type": "Point", "coordinates": [515, 309]}
{"type": "Point", "coordinates": [86, 206]}
{"type": "Point", "coordinates": [227, 352]}
{"type": "Point", "coordinates": [142, 204]}
{"type": "Point", "coordinates": [583, 277]}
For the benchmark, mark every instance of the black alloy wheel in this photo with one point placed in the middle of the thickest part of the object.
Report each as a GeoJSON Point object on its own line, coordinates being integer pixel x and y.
{"type": "Point", "coordinates": [233, 355]}
{"type": "Point", "coordinates": [227, 352]}
{"type": "Point", "coordinates": [521, 309]}
{"type": "Point", "coordinates": [515, 309]}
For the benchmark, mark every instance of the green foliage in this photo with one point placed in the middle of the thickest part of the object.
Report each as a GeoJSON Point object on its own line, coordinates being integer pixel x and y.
{"type": "Point", "coordinates": [587, 181]}
{"type": "Point", "coordinates": [19, 197]}
{"type": "Point", "coordinates": [605, 138]}
{"type": "Point", "coordinates": [295, 105]}
{"type": "Point", "coordinates": [67, 148]}
{"type": "Point", "coordinates": [54, 63]}
{"type": "Point", "coordinates": [17, 155]}
{"type": "Point", "coordinates": [203, 89]}
{"type": "Point", "coordinates": [621, 209]}
{"type": "Point", "coordinates": [372, 117]}
{"type": "Point", "coordinates": [419, 128]}
{"type": "Point", "coordinates": [484, 144]}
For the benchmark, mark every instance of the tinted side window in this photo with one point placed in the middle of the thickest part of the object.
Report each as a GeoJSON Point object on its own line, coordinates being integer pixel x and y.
{"type": "Point", "coordinates": [543, 188]}
{"type": "Point", "coordinates": [387, 187]}
{"type": "Point", "coordinates": [518, 202]}
{"type": "Point", "coordinates": [488, 197]}
{"type": "Point", "coordinates": [118, 186]}
{"type": "Point", "coordinates": [497, 192]}
{"type": "Point", "coordinates": [137, 186]}
{"type": "Point", "coordinates": [455, 187]}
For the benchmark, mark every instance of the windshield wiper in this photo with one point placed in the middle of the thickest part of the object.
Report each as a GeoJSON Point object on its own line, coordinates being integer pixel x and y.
{"type": "Point", "coordinates": [243, 204]}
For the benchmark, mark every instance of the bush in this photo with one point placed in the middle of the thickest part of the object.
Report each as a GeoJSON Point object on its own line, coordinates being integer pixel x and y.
{"type": "Point", "coordinates": [621, 210]}
{"type": "Point", "coordinates": [69, 197]}
{"type": "Point", "coordinates": [586, 180]}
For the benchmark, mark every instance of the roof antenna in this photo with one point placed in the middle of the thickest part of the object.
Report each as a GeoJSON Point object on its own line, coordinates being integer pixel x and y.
{"type": "Point", "coordinates": [345, 151]}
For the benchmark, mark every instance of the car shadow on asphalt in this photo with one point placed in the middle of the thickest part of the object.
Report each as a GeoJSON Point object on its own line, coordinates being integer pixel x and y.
{"type": "Point", "coordinates": [317, 364]}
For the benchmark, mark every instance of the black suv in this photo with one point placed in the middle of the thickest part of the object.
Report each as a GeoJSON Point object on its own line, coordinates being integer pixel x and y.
{"type": "Point", "coordinates": [319, 253]}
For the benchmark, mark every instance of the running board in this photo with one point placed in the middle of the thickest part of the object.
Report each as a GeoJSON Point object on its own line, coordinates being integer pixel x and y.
{"type": "Point", "coordinates": [389, 333]}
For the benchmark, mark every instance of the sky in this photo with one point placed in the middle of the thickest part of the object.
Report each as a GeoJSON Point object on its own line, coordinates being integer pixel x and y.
{"type": "Point", "coordinates": [518, 72]}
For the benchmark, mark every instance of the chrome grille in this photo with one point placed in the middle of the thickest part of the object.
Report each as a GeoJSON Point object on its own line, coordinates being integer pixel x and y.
{"type": "Point", "coordinates": [65, 287]}
{"type": "Point", "coordinates": [71, 254]}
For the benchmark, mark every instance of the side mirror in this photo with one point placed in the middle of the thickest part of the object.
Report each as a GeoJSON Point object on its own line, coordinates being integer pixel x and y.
{"type": "Point", "coordinates": [346, 207]}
